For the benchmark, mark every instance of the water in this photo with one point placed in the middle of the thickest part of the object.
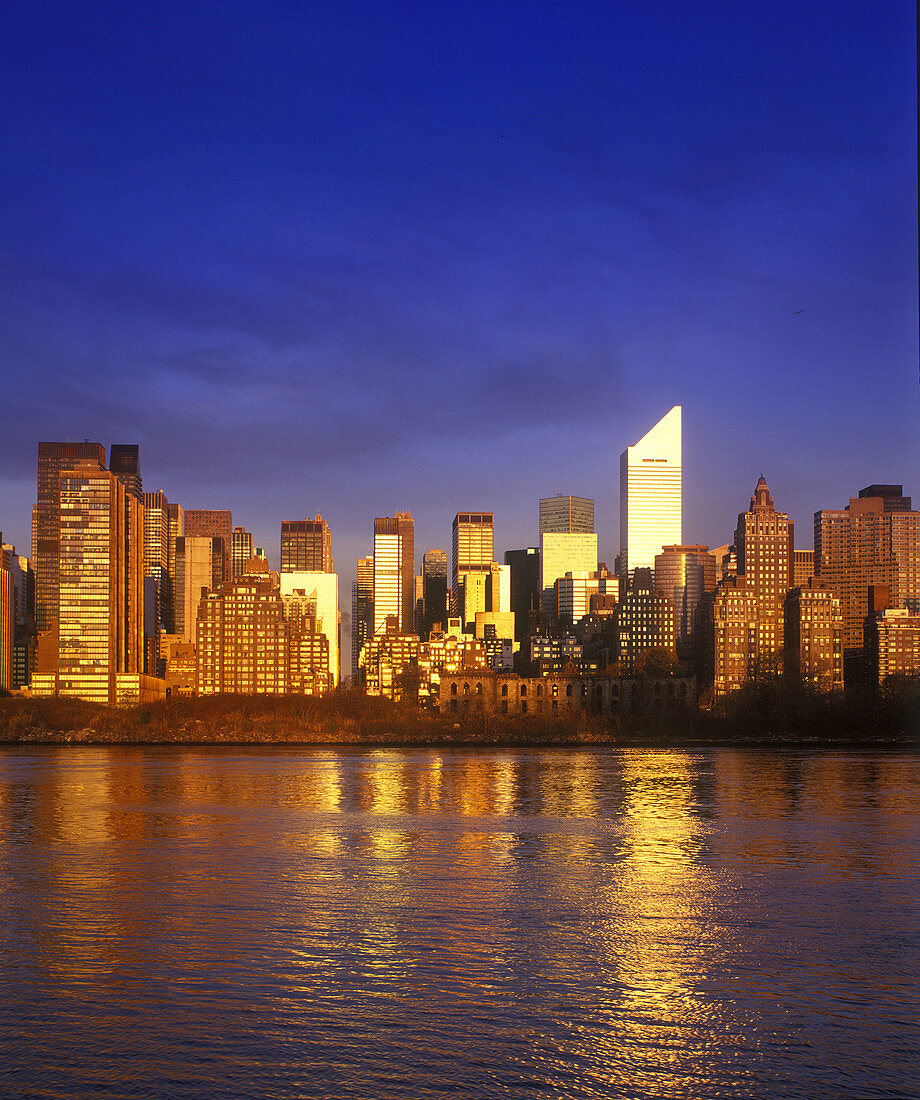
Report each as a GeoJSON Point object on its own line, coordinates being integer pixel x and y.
{"type": "Point", "coordinates": [209, 923]}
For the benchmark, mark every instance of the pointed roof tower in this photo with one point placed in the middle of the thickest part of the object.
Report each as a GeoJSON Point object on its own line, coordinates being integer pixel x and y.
{"type": "Point", "coordinates": [762, 500]}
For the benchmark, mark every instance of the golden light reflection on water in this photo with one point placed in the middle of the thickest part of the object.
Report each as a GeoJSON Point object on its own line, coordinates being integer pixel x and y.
{"type": "Point", "coordinates": [611, 915]}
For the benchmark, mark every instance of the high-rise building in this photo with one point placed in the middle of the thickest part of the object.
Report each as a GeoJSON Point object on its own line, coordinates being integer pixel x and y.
{"type": "Point", "coordinates": [683, 574]}
{"type": "Point", "coordinates": [212, 523]}
{"type": "Point", "coordinates": [242, 638]}
{"type": "Point", "coordinates": [650, 494]}
{"type": "Point", "coordinates": [52, 458]}
{"type": "Point", "coordinates": [362, 612]}
{"type": "Point", "coordinates": [316, 594]}
{"type": "Point", "coordinates": [306, 546]}
{"type": "Point", "coordinates": [892, 643]}
{"type": "Point", "coordinates": [764, 549]}
{"type": "Point", "coordinates": [729, 645]}
{"type": "Point", "coordinates": [160, 534]}
{"type": "Point", "coordinates": [242, 548]}
{"type": "Point", "coordinates": [125, 464]}
{"type": "Point", "coordinates": [803, 568]}
{"type": "Point", "coordinates": [100, 603]}
{"type": "Point", "coordinates": [566, 513]}
{"type": "Point", "coordinates": [394, 572]}
{"type": "Point", "coordinates": [875, 540]}
{"type": "Point", "coordinates": [813, 636]}
{"type": "Point", "coordinates": [199, 569]}
{"type": "Point", "coordinates": [472, 552]}
{"type": "Point", "coordinates": [434, 591]}
{"type": "Point", "coordinates": [644, 620]}
{"type": "Point", "coordinates": [209, 523]}
{"type": "Point", "coordinates": [561, 553]}
{"type": "Point", "coordinates": [7, 625]}
{"type": "Point", "coordinates": [24, 640]}
{"type": "Point", "coordinates": [574, 591]}
{"type": "Point", "coordinates": [175, 516]}
{"type": "Point", "coordinates": [525, 588]}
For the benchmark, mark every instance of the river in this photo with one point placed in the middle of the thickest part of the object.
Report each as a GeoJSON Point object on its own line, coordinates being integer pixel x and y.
{"type": "Point", "coordinates": [201, 922]}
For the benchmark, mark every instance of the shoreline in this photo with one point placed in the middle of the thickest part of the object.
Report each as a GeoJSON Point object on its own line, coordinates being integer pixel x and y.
{"type": "Point", "coordinates": [356, 721]}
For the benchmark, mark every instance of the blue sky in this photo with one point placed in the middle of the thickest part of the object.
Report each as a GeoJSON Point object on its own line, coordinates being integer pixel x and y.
{"type": "Point", "coordinates": [355, 257]}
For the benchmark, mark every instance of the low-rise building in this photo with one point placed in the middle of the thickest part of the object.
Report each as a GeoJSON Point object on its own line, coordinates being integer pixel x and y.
{"type": "Point", "coordinates": [509, 693]}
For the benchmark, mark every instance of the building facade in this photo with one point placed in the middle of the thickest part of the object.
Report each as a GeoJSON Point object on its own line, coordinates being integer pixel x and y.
{"type": "Point", "coordinates": [683, 574]}
{"type": "Point", "coordinates": [892, 644]}
{"type": "Point", "coordinates": [100, 626]}
{"type": "Point", "coordinates": [242, 549]}
{"type": "Point", "coordinates": [566, 513]}
{"type": "Point", "coordinates": [315, 595]}
{"type": "Point", "coordinates": [362, 614]}
{"type": "Point", "coordinates": [306, 546]}
{"type": "Point", "coordinates": [525, 588]}
{"type": "Point", "coordinates": [814, 636]}
{"type": "Point", "coordinates": [52, 459]}
{"type": "Point", "coordinates": [200, 564]}
{"type": "Point", "coordinates": [764, 549]}
{"type": "Point", "coordinates": [561, 553]}
{"type": "Point", "coordinates": [472, 554]}
{"type": "Point", "coordinates": [242, 638]}
{"type": "Point", "coordinates": [435, 608]}
{"type": "Point", "coordinates": [394, 572]}
{"type": "Point", "coordinates": [874, 541]}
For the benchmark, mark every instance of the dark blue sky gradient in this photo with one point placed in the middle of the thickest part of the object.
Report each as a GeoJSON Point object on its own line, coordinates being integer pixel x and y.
{"type": "Point", "coordinates": [363, 257]}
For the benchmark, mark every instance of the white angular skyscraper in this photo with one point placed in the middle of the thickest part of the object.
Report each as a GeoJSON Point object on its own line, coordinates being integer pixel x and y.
{"type": "Point", "coordinates": [650, 495]}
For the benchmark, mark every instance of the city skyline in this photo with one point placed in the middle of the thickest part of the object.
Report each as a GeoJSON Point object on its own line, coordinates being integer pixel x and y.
{"type": "Point", "coordinates": [380, 256]}
{"type": "Point", "coordinates": [345, 567]}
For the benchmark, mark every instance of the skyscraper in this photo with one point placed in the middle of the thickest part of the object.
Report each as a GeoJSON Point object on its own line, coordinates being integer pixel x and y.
{"type": "Point", "coordinates": [52, 458]}
{"type": "Point", "coordinates": [394, 571]}
{"type": "Point", "coordinates": [875, 540]}
{"type": "Point", "coordinates": [306, 546]}
{"type": "Point", "coordinates": [100, 613]}
{"type": "Point", "coordinates": [525, 587]}
{"type": "Point", "coordinates": [160, 534]}
{"type": "Point", "coordinates": [566, 513]}
{"type": "Point", "coordinates": [561, 553]}
{"type": "Point", "coordinates": [7, 624]}
{"type": "Point", "coordinates": [362, 612]}
{"type": "Point", "coordinates": [320, 591]}
{"type": "Point", "coordinates": [241, 550]}
{"type": "Point", "coordinates": [125, 464]}
{"type": "Point", "coordinates": [764, 550]}
{"type": "Point", "coordinates": [211, 523]}
{"type": "Point", "coordinates": [472, 546]}
{"type": "Point", "coordinates": [650, 495]}
{"type": "Point", "coordinates": [434, 591]}
{"type": "Point", "coordinates": [683, 574]}
{"type": "Point", "coordinates": [199, 566]}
